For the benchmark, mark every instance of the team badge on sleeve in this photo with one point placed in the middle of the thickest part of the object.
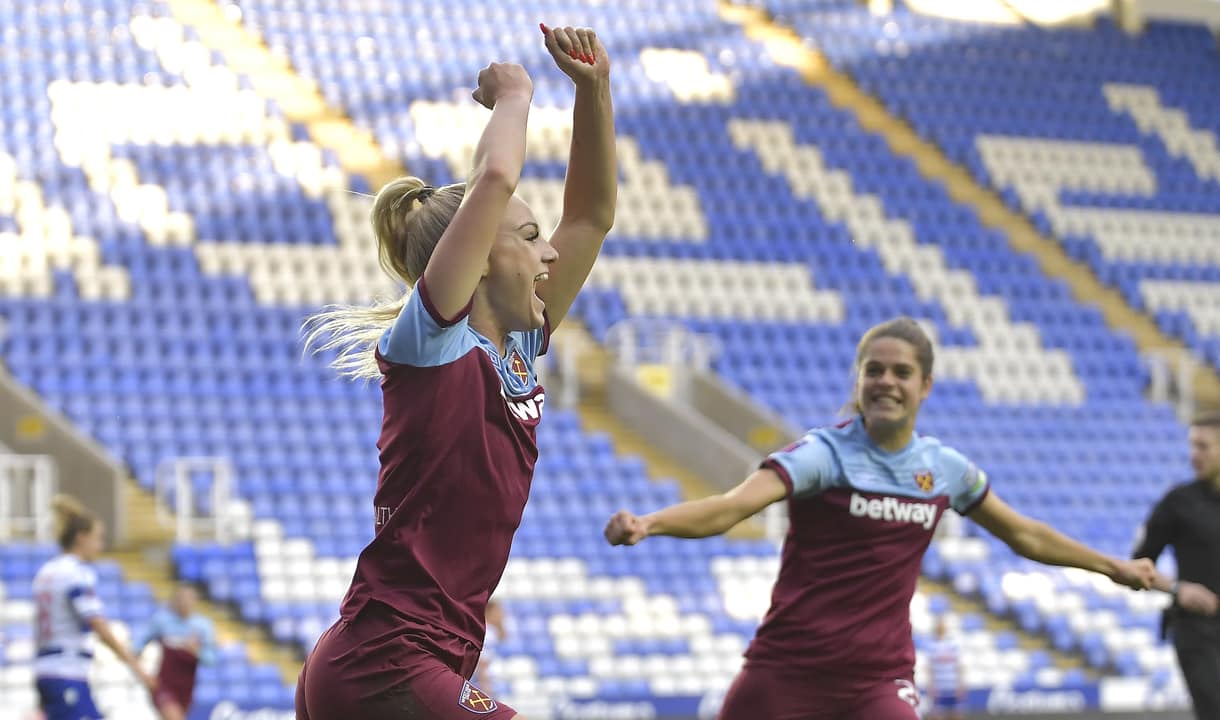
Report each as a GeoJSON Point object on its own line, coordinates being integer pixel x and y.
{"type": "Point", "coordinates": [976, 479]}
{"type": "Point", "coordinates": [475, 700]}
{"type": "Point", "coordinates": [923, 479]}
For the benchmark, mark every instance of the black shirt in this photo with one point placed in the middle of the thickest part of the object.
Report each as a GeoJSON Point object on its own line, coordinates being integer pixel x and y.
{"type": "Point", "coordinates": [1188, 518]}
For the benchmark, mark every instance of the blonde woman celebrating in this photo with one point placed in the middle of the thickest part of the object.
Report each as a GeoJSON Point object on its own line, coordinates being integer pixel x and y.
{"type": "Point", "coordinates": [462, 403]}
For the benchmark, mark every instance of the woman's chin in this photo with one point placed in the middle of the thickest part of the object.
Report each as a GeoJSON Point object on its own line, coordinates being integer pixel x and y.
{"type": "Point", "coordinates": [538, 317]}
{"type": "Point", "coordinates": [883, 420]}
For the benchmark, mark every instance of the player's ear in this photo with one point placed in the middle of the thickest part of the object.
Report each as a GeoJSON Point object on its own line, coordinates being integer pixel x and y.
{"type": "Point", "coordinates": [926, 388]}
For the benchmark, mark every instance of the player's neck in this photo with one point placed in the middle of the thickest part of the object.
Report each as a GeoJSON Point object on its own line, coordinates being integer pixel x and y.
{"type": "Point", "coordinates": [1213, 482]}
{"type": "Point", "coordinates": [890, 440]}
{"type": "Point", "coordinates": [483, 321]}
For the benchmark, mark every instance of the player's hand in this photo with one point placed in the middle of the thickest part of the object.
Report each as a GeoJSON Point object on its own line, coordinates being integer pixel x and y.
{"type": "Point", "coordinates": [1196, 598]}
{"type": "Point", "coordinates": [578, 53]}
{"type": "Point", "coordinates": [625, 528]}
{"type": "Point", "coordinates": [194, 645]}
{"type": "Point", "coordinates": [1136, 574]}
{"type": "Point", "coordinates": [500, 80]}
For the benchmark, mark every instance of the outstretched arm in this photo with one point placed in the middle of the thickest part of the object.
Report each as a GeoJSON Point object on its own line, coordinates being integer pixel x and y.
{"type": "Point", "coordinates": [590, 191]}
{"type": "Point", "coordinates": [147, 634]}
{"type": "Point", "coordinates": [700, 518]}
{"type": "Point", "coordinates": [460, 259]}
{"type": "Point", "coordinates": [207, 643]}
{"type": "Point", "coordinates": [1039, 541]}
{"type": "Point", "coordinates": [99, 626]}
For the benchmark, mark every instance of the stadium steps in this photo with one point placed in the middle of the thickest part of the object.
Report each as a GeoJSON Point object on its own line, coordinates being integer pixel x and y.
{"type": "Point", "coordinates": [788, 48]}
{"type": "Point", "coordinates": [144, 557]}
{"type": "Point", "coordinates": [143, 528]}
{"type": "Point", "coordinates": [596, 416]}
{"type": "Point", "coordinates": [593, 361]}
{"type": "Point", "coordinates": [273, 77]}
{"type": "Point", "coordinates": [963, 605]}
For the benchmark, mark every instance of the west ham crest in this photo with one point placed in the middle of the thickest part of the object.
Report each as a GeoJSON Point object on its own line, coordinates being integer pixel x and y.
{"type": "Point", "coordinates": [475, 700]}
{"type": "Point", "coordinates": [517, 367]}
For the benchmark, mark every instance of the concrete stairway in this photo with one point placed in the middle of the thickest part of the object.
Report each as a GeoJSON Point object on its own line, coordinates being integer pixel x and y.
{"type": "Point", "coordinates": [145, 557]}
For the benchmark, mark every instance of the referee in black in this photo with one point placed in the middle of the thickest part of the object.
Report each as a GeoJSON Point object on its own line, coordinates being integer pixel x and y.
{"type": "Point", "coordinates": [1188, 518]}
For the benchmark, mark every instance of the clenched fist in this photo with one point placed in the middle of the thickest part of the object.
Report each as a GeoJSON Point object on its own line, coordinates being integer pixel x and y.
{"type": "Point", "coordinates": [499, 80]}
{"type": "Point", "coordinates": [1136, 574]}
{"type": "Point", "coordinates": [625, 528]}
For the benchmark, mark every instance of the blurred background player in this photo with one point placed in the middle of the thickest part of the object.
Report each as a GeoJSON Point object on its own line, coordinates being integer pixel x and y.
{"type": "Point", "coordinates": [68, 609]}
{"type": "Point", "coordinates": [187, 640]}
{"type": "Point", "coordinates": [945, 686]}
{"type": "Point", "coordinates": [1188, 519]}
{"type": "Point", "coordinates": [462, 402]}
{"type": "Point", "coordinates": [864, 500]}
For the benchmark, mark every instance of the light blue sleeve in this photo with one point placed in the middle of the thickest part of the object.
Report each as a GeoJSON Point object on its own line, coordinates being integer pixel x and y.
{"type": "Point", "coordinates": [807, 466]}
{"type": "Point", "coordinates": [967, 484]}
{"type": "Point", "coordinates": [420, 337]}
{"type": "Point", "coordinates": [207, 648]}
{"type": "Point", "coordinates": [149, 632]}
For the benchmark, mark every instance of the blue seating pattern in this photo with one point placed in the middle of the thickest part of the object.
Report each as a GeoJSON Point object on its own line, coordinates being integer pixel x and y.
{"type": "Point", "coordinates": [1066, 86]}
{"type": "Point", "coordinates": [199, 357]}
{"type": "Point", "coordinates": [129, 606]}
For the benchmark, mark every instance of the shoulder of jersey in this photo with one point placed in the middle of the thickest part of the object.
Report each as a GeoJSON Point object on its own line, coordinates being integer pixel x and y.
{"type": "Point", "coordinates": [842, 429]}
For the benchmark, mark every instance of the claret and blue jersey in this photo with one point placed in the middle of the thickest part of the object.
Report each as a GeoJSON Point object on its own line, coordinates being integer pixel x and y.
{"type": "Point", "coordinates": [458, 447]}
{"type": "Point", "coordinates": [783, 230]}
{"type": "Point", "coordinates": [421, 338]}
{"type": "Point", "coordinates": [844, 458]}
{"type": "Point", "coordinates": [860, 521]}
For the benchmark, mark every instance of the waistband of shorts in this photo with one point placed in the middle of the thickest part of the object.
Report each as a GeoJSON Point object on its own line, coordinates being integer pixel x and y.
{"type": "Point", "coordinates": [49, 651]}
{"type": "Point", "coordinates": [422, 635]}
{"type": "Point", "coordinates": [836, 676]}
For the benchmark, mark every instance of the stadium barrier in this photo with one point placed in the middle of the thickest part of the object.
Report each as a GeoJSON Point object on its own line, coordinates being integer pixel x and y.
{"type": "Point", "coordinates": [27, 483]}
{"type": "Point", "coordinates": [28, 426]}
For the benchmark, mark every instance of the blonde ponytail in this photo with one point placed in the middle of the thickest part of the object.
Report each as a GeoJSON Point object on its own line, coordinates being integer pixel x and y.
{"type": "Point", "coordinates": [408, 220]}
{"type": "Point", "coordinates": [352, 332]}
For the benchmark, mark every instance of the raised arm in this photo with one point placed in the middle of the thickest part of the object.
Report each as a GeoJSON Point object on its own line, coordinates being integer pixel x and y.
{"type": "Point", "coordinates": [460, 258]}
{"type": "Point", "coordinates": [1042, 543]}
{"type": "Point", "coordinates": [590, 191]}
{"type": "Point", "coordinates": [148, 633]}
{"type": "Point", "coordinates": [700, 518]}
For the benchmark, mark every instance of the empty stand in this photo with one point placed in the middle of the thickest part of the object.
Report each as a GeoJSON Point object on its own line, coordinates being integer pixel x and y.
{"type": "Point", "coordinates": [159, 281]}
